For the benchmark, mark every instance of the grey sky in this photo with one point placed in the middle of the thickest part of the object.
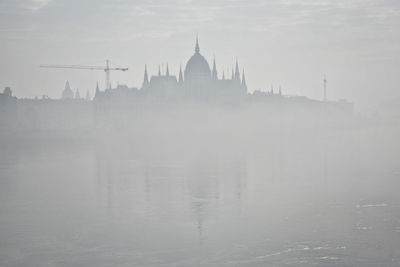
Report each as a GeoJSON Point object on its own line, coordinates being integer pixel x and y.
{"type": "Point", "coordinates": [291, 43]}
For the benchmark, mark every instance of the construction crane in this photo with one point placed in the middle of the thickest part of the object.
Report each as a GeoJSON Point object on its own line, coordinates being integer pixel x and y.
{"type": "Point", "coordinates": [106, 69]}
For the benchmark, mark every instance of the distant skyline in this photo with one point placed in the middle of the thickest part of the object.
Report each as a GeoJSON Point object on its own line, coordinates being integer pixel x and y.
{"type": "Point", "coordinates": [291, 43]}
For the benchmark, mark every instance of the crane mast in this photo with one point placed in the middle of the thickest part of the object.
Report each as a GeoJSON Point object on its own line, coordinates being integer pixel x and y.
{"type": "Point", "coordinates": [107, 70]}
{"type": "Point", "coordinates": [325, 82]}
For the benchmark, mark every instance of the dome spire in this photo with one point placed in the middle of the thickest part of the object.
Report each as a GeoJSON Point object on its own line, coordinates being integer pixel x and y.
{"type": "Point", "coordinates": [197, 49]}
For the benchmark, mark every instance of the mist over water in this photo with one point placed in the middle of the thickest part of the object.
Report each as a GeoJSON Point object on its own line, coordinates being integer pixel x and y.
{"type": "Point", "coordinates": [190, 185]}
{"type": "Point", "coordinates": [161, 151]}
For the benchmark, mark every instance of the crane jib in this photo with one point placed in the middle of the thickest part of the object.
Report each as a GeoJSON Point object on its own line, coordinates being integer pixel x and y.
{"type": "Point", "coordinates": [106, 69]}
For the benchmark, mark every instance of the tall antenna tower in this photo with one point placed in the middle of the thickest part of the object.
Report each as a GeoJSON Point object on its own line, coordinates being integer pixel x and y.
{"type": "Point", "coordinates": [325, 82]}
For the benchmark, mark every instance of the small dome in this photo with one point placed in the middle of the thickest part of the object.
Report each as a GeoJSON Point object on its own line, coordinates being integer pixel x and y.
{"type": "Point", "coordinates": [197, 67]}
{"type": "Point", "coordinates": [67, 93]}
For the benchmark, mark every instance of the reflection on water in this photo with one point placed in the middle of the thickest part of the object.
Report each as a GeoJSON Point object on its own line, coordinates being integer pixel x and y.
{"type": "Point", "coordinates": [85, 206]}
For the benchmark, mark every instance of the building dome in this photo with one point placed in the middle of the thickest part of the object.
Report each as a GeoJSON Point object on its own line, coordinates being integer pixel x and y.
{"type": "Point", "coordinates": [197, 68]}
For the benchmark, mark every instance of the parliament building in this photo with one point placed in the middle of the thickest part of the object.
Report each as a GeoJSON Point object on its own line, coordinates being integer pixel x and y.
{"type": "Point", "coordinates": [197, 82]}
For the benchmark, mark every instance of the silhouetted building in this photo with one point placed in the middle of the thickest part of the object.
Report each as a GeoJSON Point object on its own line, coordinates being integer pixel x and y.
{"type": "Point", "coordinates": [67, 93]}
{"type": "Point", "coordinates": [7, 91]}
{"type": "Point", "coordinates": [164, 86]}
{"type": "Point", "coordinates": [199, 82]}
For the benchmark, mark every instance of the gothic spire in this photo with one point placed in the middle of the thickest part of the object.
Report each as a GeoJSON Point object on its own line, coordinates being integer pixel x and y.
{"type": "Point", "coordinates": [214, 71]}
{"type": "Point", "coordinates": [237, 73]}
{"type": "Point", "coordinates": [180, 75]}
{"type": "Point", "coordinates": [146, 77]}
{"type": "Point", "coordinates": [97, 90]}
{"type": "Point", "coordinates": [167, 72]}
{"type": "Point", "coordinates": [67, 87]}
{"type": "Point", "coordinates": [244, 85]}
{"type": "Point", "coordinates": [197, 49]}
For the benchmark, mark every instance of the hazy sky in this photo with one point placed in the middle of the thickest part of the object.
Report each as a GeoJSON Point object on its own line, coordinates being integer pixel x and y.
{"type": "Point", "coordinates": [291, 43]}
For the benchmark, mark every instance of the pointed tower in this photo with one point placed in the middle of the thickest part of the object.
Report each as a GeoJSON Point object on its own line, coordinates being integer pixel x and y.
{"type": "Point", "coordinates": [237, 73]}
{"type": "Point", "coordinates": [244, 85]}
{"type": "Point", "coordinates": [214, 74]}
{"type": "Point", "coordinates": [197, 48]}
{"type": "Point", "coordinates": [97, 90]}
{"type": "Point", "coordinates": [180, 81]}
{"type": "Point", "coordinates": [145, 78]}
{"type": "Point", "coordinates": [167, 72]}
